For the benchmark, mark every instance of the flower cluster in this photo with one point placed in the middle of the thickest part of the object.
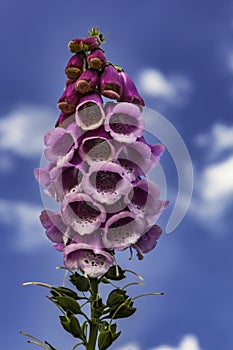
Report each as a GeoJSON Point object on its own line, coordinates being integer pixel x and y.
{"type": "Point", "coordinates": [98, 162]}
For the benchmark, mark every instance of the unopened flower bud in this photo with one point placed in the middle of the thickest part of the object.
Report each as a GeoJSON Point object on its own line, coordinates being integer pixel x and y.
{"type": "Point", "coordinates": [129, 92]}
{"type": "Point", "coordinates": [110, 83]}
{"type": "Point", "coordinates": [87, 81]}
{"type": "Point", "coordinates": [91, 43]}
{"type": "Point", "coordinates": [69, 99]}
{"type": "Point", "coordinates": [74, 66]}
{"type": "Point", "coordinates": [96, 59]}
{"type": "Point", "coordinates": [76, 45]}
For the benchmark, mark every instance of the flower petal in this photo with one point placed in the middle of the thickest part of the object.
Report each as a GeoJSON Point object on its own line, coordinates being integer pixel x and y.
{"type": "Point", "coordinates": [124, 122]}
{"type": "Point", "coordinates": [81, 256]}
{"type": "Point", "coordinates": [89, 112]}
{"type": "Point", "coordinates": [147, 241]}
{"type": "Point", "coordinates": [110, 83]}
{"type": "Point", "coordinates": [97, 145]}
{"type": "Point", "coordinates": [129, 90]}
{"type": "Point", "coordinates": [55, 227]}
{"type": "Point", "coordinates": [143, 200]}
{"type": "Point", "coordinates": [122, 230]}
{"type": "Point", "coordinates": [82, 213]}
{"type": "Point", "coordinates": [106, 182]}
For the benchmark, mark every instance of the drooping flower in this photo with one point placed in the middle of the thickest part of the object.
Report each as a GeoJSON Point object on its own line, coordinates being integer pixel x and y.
{"type": "Point", "coordinates": [82, 213]}
{"type": "Point", "coordinates": [96, 59]}
{"type": "Point", "coordinates": [89, 112]}
{"type": "Point", "coordinates": [106, 182]}
{"type": "Point", "coordinates": [135, 158]}
{"type": "Point", "coordinates": [60, 143]}
{"type": "Point", "coordinates": [97, 145]}
{"type": "Point", "coordinates": [65, 179]}
{"type": "Point", "coordinates": [87, 81]}
{"type": "Point", "coordinates": [110, 83]}
{"type": "Point", "coordinates": [144, 201]}
{"type": "Point", "coordinates": [74, 67]}
{"type": "Point", "coordinates": [79, 44]}
{"type": "Point", "coordinates": [129, 92]}
{"type": "Point", "coordinates": [147, 241]}
{"type": "Point", "coordinates": [122, 230]}
{"type": "Point", "coordinates": [69, 99]}
{"type": "Point", "coordinates": [88, 255]}
{"type": "Point", "coordinates": [125, 123]}
{"type": "Point", "coordinates": [55, 227]}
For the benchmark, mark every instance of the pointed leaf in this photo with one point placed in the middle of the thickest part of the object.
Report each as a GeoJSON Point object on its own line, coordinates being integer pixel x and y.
{"type": "Point", "coordinates": [80, 282]}
{"type": "Point", "coordinates": [69, 304]}
{"type": "Point", "coordinates": [117, 296]}
{"type": "Point", "coordinates": [64, 291]}
{"type": "Point", "coordinates": [105, 340]}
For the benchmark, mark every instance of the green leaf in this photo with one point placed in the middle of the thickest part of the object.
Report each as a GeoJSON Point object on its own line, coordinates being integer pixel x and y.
{"type": "Point", "coordinates": [105, 340]}
{"type": "Point", "coordinates": [113, 331]}
{"type": "Point", "coordinates": [117, 296]}
{"type": "Point", "coordinates": [69, 304]}
{"type": "Point", "coordinates": [126, 309]}
{"type": "Point", "coordinates": [71, 324]}
{"type": "Point", "coordinates": [65, 322]}
{"type": "Point", "coordinates": [64, 291]}
{"type": "Point", "coordinates": [80, 282]}
{"type": "Point", "coordinates": [112, 274]}
{"type": "Point", "coordinates": [75, 327]}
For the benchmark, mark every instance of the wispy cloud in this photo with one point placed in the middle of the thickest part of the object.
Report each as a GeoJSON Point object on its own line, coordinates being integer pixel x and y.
{"type": "Point", "coordinates": [217, 140]}
{"type": "Point", "coordinates": [214, 185]}
{"type": "Point", "coordinates": [189, 342]}
{"type": "Point", "coordinates": [22, 223]}
{"type": "Point", "coordinates": [21, 131]}
{"type": "Point", "coordinates": [173, 89]}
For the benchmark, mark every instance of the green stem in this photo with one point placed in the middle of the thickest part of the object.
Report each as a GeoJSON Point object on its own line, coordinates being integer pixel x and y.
{"type": "Point", "coordinates": [94, 322]}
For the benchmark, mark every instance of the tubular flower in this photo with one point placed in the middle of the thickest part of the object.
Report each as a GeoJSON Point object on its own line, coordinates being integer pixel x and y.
{"type": "Point", "coordinates": [124, 123]}
{"type": "Point", "coordinates": [74, 67]}
{"type": "Point", "coordinates": [89, 112]}
{"type": "Point", "coordinates": [55, 227]}
{"type": "Point", "coordinates": [79, 44]}
{"type": "Point", "coordinates": [60, 143]}
{"type": "Point", "coordinates": [69, 99]}
{"type": "Point", "coordinates": [87, 81]}
{"type": "Point", "coordinates": [148, 241]}
{"type": "Point", "coordinates": [97, 146]}
{"type": "Point", "coordinates": [135, 158]}
{"type": "Point", "coordinates": [82, 213]}
{"type": "Point", "coordinates": [106, 182]}
{"type": "Point", "coordinates": [88, 255]}
{"type": "Point", "coordinates": [143, 200]}
{"type": "Point", "coordinates": [96, 59]}
{"type": "Point", "coordinates": [110, 83]}
{"type": "Point", "coordinates": [122, 230]}
{"type": "Point", "coordinates": [129, 92]}
{"type": "Point", "coordinates": [98, 161]}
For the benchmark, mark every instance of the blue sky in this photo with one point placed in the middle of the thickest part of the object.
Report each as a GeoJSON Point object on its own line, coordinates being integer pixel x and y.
{"type": "Point", "coordinates": [180, 54]}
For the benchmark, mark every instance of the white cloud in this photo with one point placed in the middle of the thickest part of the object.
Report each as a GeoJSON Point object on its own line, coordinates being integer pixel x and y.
{"type": "Point", "coordinates": [189, 342]}
{"type": "Point", "coordinates": [21, 131]}
{"type": "Point", "coordinates": [214, 184]}
{"type": "Point", "coordinates": [217, 181]}
{"type": "Point", "coordinates": [130, 346]}
{"type": "Point", "coordinates": [22, 220]}
{"type": "Point", "coordinates": [218, 139]}
{"type": "Point", "coordinates": [173, 89]}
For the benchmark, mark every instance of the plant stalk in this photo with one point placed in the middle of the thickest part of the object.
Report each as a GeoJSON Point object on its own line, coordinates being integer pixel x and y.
{"type": "Point", "coordinates": [94, 322]}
